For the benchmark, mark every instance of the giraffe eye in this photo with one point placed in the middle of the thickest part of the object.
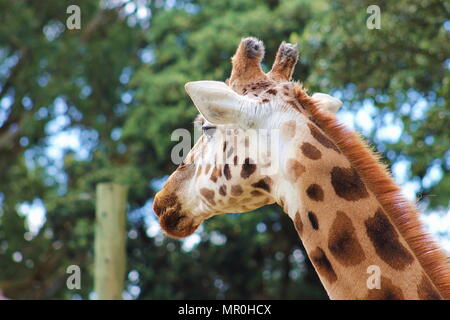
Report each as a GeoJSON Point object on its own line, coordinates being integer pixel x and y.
{"type": "Point", "coordinates": [208, 130]}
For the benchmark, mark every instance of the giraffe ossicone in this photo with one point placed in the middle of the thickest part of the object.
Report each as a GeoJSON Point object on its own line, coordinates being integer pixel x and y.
{"type": "Point", "coordinates": [348, 212]}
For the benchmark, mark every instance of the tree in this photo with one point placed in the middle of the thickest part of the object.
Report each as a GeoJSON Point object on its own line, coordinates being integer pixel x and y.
{"type": "Point", "coordinates": [55, 80]}
{"type": "Point", "coordinates": [402, 69]}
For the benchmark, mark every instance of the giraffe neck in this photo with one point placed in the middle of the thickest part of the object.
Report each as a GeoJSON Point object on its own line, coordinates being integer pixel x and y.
{"type": "Point", "coordinates": [354, 243]}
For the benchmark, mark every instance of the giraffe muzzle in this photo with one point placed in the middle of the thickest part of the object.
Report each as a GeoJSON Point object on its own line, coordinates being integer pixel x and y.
{"type": "Point", "coordinates": [172, 219]}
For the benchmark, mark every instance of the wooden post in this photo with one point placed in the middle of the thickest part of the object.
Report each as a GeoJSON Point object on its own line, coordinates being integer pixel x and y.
{"type": "Point", "coordinates": [110, 237]}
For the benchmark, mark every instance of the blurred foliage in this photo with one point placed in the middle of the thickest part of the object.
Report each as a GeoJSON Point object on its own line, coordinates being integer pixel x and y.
{"type": "Point", "coordinates": [117, 86]}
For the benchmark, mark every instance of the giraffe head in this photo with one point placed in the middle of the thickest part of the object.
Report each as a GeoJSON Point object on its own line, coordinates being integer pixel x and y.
{"type": "Point", "coordinates": [235, 165]}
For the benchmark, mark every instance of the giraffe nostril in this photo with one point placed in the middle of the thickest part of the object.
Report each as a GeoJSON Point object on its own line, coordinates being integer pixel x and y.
{"type": "Point", "coordinates": [164, 202]}
{"type": "Point", "coordinates": [177, 224]}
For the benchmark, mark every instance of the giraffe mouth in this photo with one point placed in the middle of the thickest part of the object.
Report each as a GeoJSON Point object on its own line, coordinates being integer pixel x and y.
{"type": "Point", "coordinates": [173, 220]}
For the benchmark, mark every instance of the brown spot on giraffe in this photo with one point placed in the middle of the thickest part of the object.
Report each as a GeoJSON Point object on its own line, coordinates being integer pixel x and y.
{"type": "Point", "coordinates": [343, 242]}
{"type": "Point", "coordinates": [315, 192]}
{"type": "Point", "coordinates": [247, 168]}
{"type": "Point", "coordinates": [426, 290]}
{"type": "Point", "coordinates": [236, 190]}
{"type": "Point", "coordinates": [265, 84]}
{"type": "Point", "coordinates": [298, 223]}
{"type": "Point", "coordinates": [386, 241]}
{"type": "Point", "coordinates": [223, 190]}
{"type": "Point", "coordinates": [294, 169]}
{"type": "Point", "coordinates": [235, 160]}
{"type": "Point", "coordinates": [256, 193]}
{"type": "Point", "coordinates": [263, 184]}
{"type": "Point", "coordinates": [313, 220]}
{"type": "Point", "coordinates": [321, 138]}
{"type": "Point", "coordinates": [288, 129]}
{"type": "Point", "coordinates": [272, 91]}
{"type": "Point", "coordinates": [208, 166]}
{"type": "Point", "coordinates": [347, 184]}
{"type": "Point", "coordinates": [208, 194]}
{"type": "Point", "coordinates": [387, 291]}
{"type": "Point", "coordinates": [216, 173]}
{"type": "Point", "coordinates": [226, 171]}
{"type": "Point", "coordinates": [323, 265]}
{"type": "Point", "coordinates": [310, 151]}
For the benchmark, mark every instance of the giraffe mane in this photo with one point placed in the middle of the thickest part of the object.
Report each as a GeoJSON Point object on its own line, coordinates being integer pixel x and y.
{"type": "Point", "coordinates": [376, 177]}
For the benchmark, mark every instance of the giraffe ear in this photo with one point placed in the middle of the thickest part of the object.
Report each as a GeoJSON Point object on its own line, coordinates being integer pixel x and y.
{"type": "Point", "coordinates": [216, 101]}
{"type": "Point", "coordinates": [327, 102]}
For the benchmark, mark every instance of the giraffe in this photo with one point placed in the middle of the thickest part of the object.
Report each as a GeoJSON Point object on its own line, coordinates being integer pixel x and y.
{"type": "Point", "coordinates": [348, 212]}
